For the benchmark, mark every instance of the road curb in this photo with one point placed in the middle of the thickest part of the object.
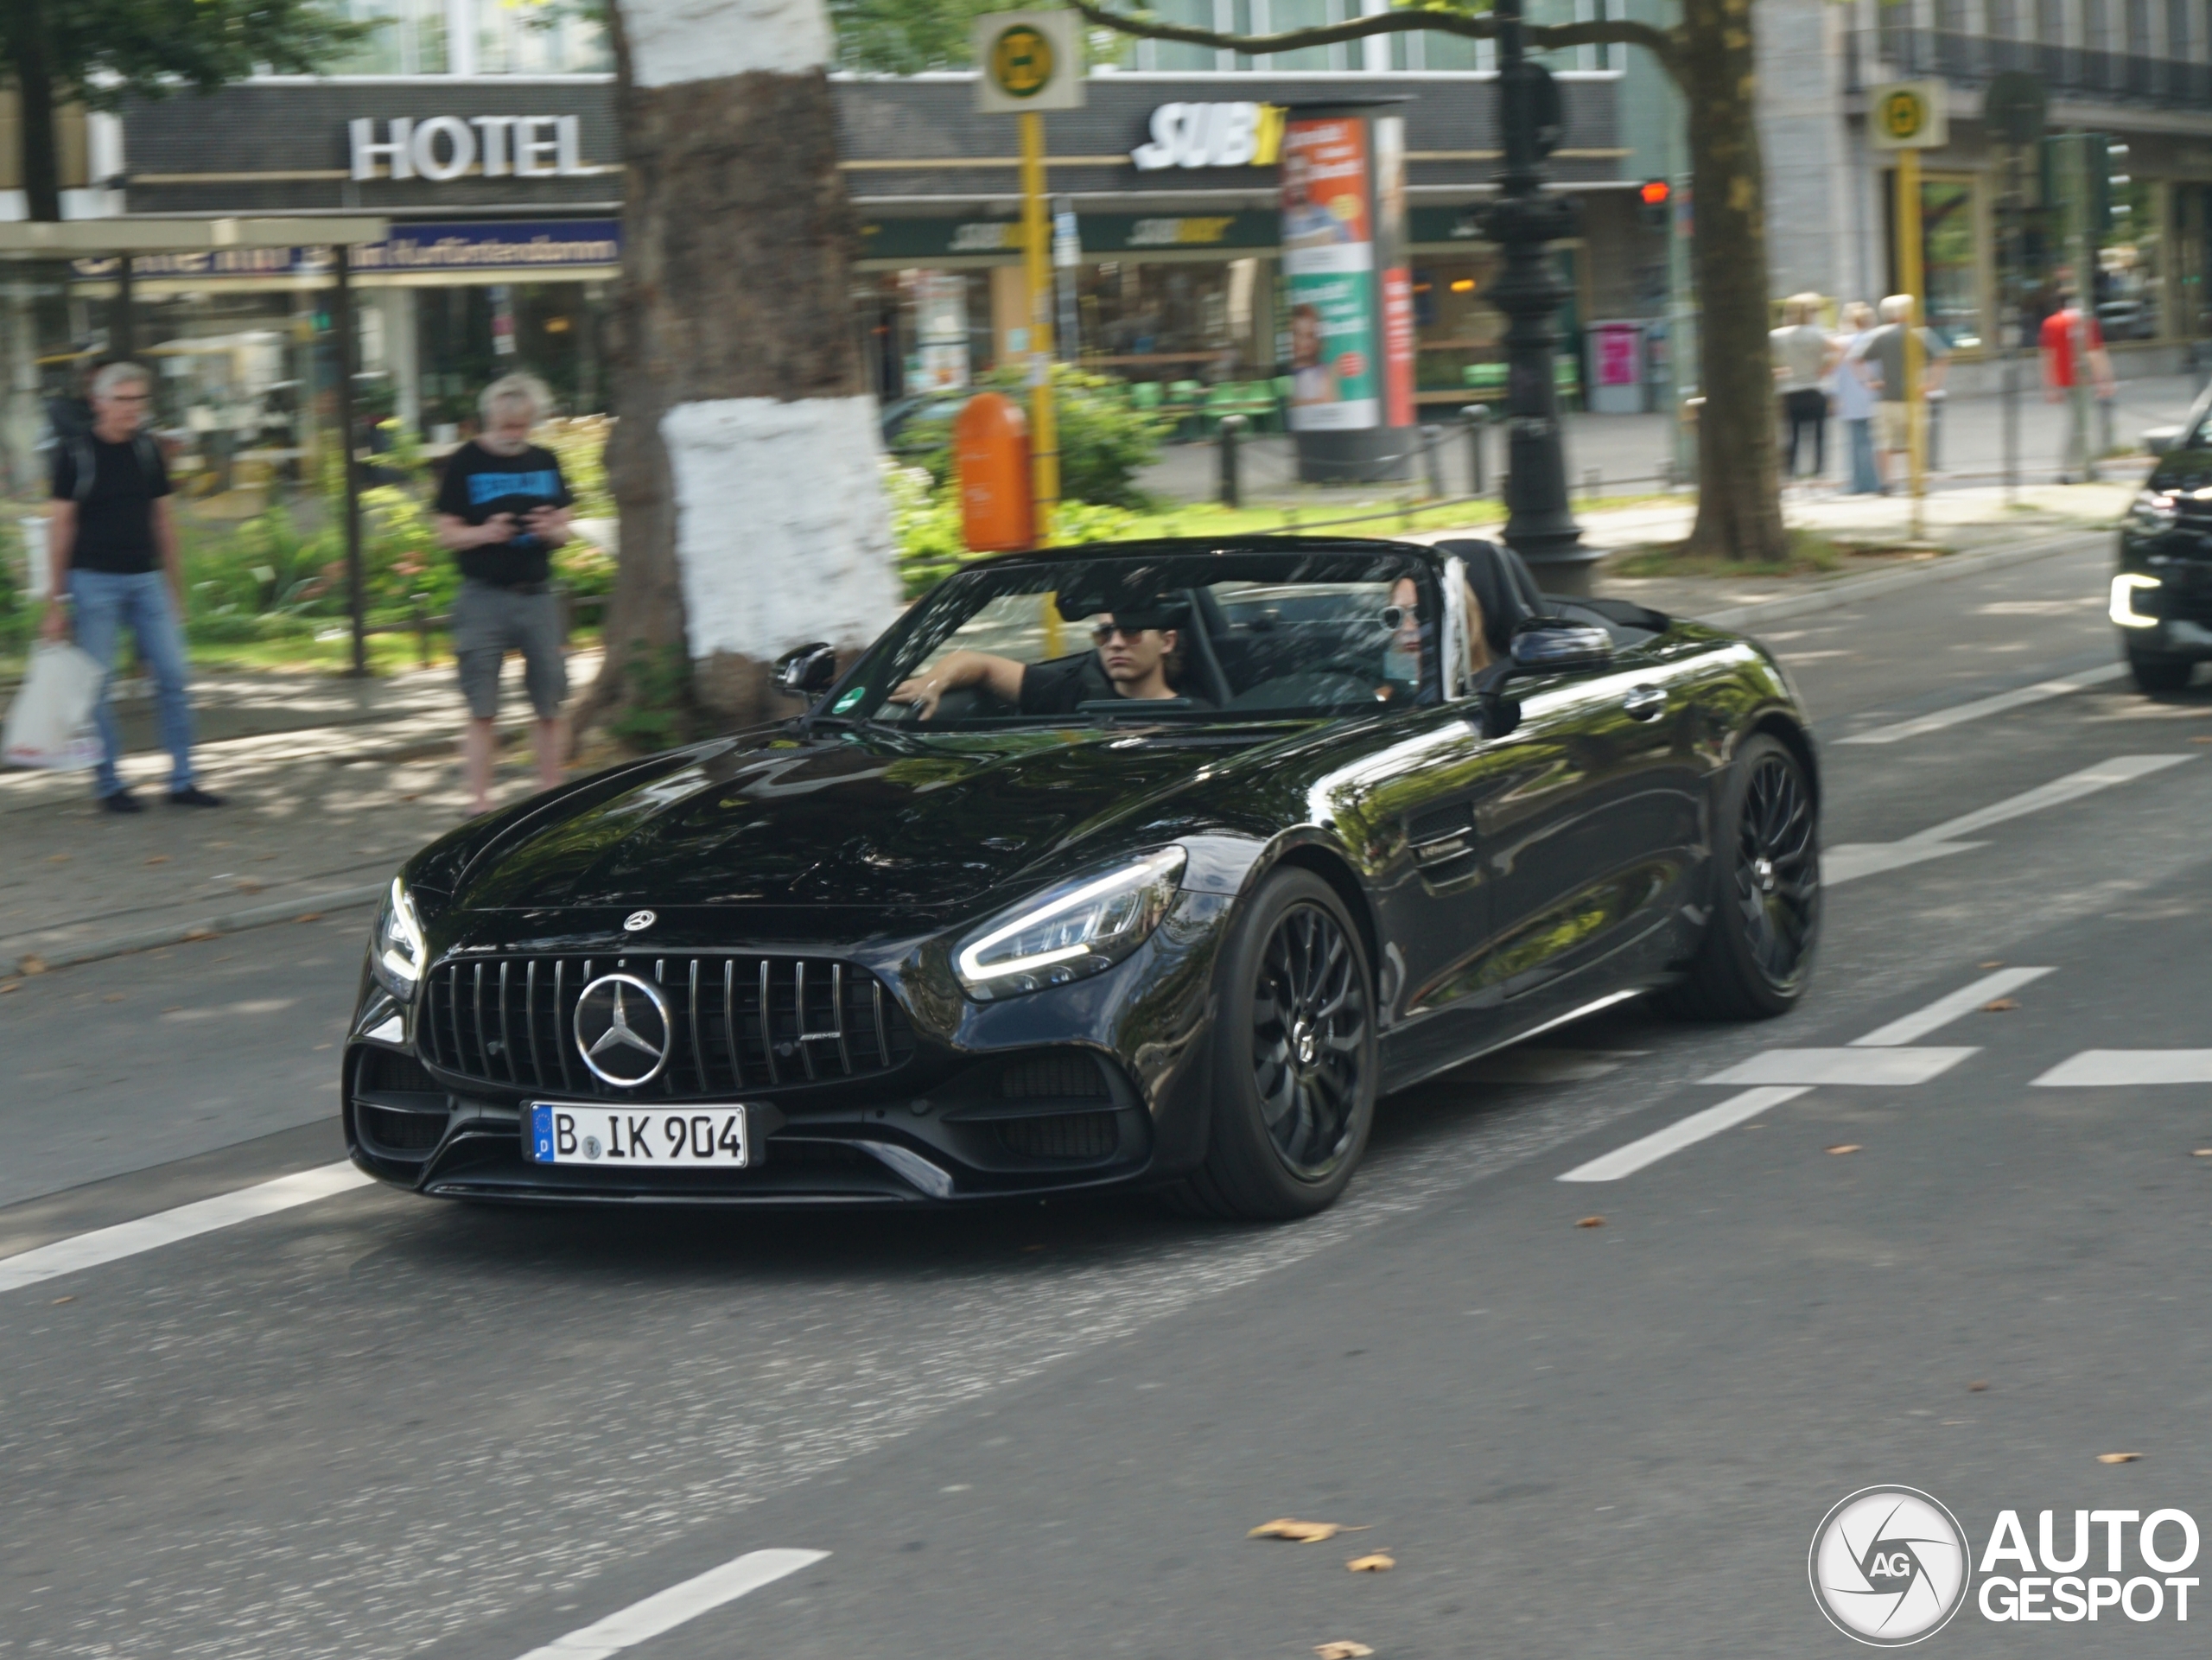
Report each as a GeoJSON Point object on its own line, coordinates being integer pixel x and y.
{"type": "Point", "coordinates": [1853, 590]}
{"type": "Point", "coordinates": [229, 922]}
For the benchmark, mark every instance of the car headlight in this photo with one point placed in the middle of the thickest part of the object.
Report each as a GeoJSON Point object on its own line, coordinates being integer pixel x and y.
{"type": "Point", "coordinates": [1072, 932]}
{"type": "Point", "coordinates": [2125, 587]}
{"type": "Point", "coordinates": [2154, 510]}
{"type": "Point", "coordinates": [398, 953]}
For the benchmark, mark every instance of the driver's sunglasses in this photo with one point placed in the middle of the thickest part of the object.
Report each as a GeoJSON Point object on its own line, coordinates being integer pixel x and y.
{"type": "Point", "coordinates": [1105, 631]}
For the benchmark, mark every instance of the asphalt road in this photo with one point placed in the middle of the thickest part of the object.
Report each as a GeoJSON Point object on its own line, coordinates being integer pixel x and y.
{"type": "Point", "coordinates": [368, 1426]}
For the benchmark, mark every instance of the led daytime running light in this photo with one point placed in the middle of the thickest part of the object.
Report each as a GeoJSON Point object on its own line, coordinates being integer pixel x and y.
{"type": "Point", "coordinates": [978, 972]}
{"type": "Point", "coordinates": [402, 949]}
{"type": "Point", "coordinates": [2125, 586]}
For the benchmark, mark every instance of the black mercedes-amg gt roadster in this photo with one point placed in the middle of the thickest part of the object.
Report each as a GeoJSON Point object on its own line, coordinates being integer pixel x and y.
{"type": "Point", "coordinates": [1002, 914]}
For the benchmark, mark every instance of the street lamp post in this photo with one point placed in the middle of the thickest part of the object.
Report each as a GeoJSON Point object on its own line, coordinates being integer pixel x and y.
{"type": "Point", "coordinates": [1523, 222]}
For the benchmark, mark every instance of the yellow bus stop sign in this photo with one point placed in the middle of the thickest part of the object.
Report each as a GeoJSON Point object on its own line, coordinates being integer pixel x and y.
{"type": "Point", "coordinates": [1908, 115]}
{"type": "Point", "coordinates": [1029, 61]}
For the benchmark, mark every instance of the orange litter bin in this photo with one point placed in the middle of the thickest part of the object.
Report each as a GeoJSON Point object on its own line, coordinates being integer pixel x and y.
{"type": "Point", "coordinates": [990, 442]}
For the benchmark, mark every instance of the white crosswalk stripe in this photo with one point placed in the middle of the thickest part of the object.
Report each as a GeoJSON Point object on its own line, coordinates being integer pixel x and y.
{"type": "Point", "coordinates": [1959, 714]}
{"type": "Point", "coordinates": [2105, 1069]}
{"type": "Point", "coordinates": [679, 1605]}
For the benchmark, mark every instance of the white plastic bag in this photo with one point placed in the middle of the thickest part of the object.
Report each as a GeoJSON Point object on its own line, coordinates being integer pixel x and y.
{"type": "Point", "coordinates": [50, 724]}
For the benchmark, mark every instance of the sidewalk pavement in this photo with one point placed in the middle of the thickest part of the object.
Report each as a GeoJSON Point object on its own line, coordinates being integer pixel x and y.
{"type": "Point", "coordinates": [329, 786]}
{"type": "Point", "coordinates": [332, 784]}
{"type": "Point", "coordinates": [1620, 454]}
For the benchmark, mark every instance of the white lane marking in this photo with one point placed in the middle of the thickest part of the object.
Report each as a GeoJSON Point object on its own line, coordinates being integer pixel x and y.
{"type": "Point", "coordinates": [1850, 860]}
{"type": "Point", "coordinates": [1959, 714]}
{"type": "Point", "coordinates": [1944, 1010]}
{"type": "Point", "coordinates": [1686, 1132]}
{"type": "Point", "coordinates": [1889, 1068]}
{"type": "Point", "coordinates": [1783, 1075]}
{"type": "Point", "coordinates": [167, 1227]}
{"type": "Point", "coordinates": [2098, 1069]}
{"type": "Point", "coordinates": [665, 1611]}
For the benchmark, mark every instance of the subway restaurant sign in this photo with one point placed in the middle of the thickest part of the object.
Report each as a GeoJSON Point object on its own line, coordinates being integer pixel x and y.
{"type": "Point", "coordinates": [1103, 234]}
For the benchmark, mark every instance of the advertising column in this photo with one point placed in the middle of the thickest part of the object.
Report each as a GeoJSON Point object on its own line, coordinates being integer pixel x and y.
{"type": "Point", "coordinates": [1350, 295]}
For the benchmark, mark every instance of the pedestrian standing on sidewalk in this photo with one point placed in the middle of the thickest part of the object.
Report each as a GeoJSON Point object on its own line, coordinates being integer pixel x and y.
{"type": "Point", "coordinates": [1854, 399]}
{"type": "Point", "coordinates": [1802, 357]}
{"type": "Point", "coordinates": [111, 536]}
{"type": "Point", "coordinates": [2061, 384]}
{"type": "Point", "coordinates": [503, 508]}
{"type": "Point", "coordinates": [1881, 360]}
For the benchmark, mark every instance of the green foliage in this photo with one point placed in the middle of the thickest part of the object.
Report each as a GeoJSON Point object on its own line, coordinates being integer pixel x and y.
{"type": "Point", "coordinates": [658, 711]}
{"type": "Point", "coordinates": [102, 51]}
{"type": "Point", "coordinates": [1104, 442]}
{"type": "Point", "coordinates": [903, 37]}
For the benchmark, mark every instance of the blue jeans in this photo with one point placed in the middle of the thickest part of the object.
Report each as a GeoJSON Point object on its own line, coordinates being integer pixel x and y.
{"type": "Point", "coordinates": [1865, 482]}
{"type": "Point", "coordinates": [106, 604]}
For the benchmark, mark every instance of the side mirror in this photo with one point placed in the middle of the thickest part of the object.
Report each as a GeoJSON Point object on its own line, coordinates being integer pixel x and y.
{"type": "Point", "coordinates": [807, 671]}
{"type": "Point", "coordinates": [2161, 440]}
{"type": "Point", "coordinates": [1551, 645]}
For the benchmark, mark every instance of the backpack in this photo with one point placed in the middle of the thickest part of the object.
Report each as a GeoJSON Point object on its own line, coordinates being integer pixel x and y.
{"type": "Point", "coordinates": [87, 462]}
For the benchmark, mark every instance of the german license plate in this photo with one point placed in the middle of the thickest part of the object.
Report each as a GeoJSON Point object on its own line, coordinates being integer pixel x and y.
{"type": "Point", "coordinates": [637, 1138]}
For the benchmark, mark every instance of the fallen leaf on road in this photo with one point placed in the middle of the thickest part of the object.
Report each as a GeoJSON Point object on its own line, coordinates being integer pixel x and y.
{"type": "Point", "coordinates": [2201, 740]}
{"type": "Point", "coordinates": [1847, 1147]}
{"type": "Point", "coordinates": [308, 916]}
{"type": "Point", "coordinates": [159, 859]}
{"type": "Point", "coordinates": [1373, 1562]}
{"type": "Point", "coordinates": [33, 966]}
{"type": "Point", "coordinates": [1591, 1222]}
{"type": "Point", "coordinates": [9, 987]}
{"type": "Point", "coordinates": [2001, 1006]}
{"type": "Point", "coordinates": [1994, 963]}
{"type": "Point", "coordinates": [112, 997]}
{"type": "Point", "coordinates": [1305, 1533]}
{"type": "Point", "coordinates": [58, 1301]}
{"type": "Point", "coordinates": [1976, 1387]}
{"type": "Point", "coordinates": [201, 933]}
{"type": "Point", "coordinates": [57, 858]}
{"type": "Point", "coordinates": [2117, 1457]}
{"type": "Point", "coordinates": [2201, 1153]}
{"type": "Point", "coordinates": [1343, 1648]}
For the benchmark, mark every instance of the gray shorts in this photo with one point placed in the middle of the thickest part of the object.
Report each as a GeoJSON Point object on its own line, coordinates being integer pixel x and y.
{"type": "Point", "coordinates": [488, 622]}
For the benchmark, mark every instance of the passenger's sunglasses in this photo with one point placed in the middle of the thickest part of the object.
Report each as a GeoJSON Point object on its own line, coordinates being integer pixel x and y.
{"type": "Point", "coordinates": [1393, 615]}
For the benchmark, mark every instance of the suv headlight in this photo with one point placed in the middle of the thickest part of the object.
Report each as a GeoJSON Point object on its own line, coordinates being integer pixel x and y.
{"type": "Point", "coordinates": [398, 953]}
{"type": "Point", "coordinates": [2125, 587]}
{"type": "Point", "coordinates": [1072, 932]}
{"type": "Point", "coordinates": [2154, 510]}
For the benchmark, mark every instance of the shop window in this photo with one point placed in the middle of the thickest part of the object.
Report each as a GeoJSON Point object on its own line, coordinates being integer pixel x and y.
{"type": "Point", "coordinates": [1173, 55]}
{"type": "Point", "coordinates": [2191, 260]}
{"type": "Point", "coordinates": [1285, 15]}
{"type": "Point", "coordinates": [1184, 322]}
{"type": "Point", "coordinates": [2130, 266]}
{"type": "Point", "coordinates": [406, 37]}
{"type": "Point", "coordinates": [541, 37]}
{"type": "Point", "coordinates": [1948, 264]}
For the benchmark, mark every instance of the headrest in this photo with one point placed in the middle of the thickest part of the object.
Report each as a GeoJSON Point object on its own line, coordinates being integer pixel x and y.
{"type": "Point", "coordinates": [1502, 585]}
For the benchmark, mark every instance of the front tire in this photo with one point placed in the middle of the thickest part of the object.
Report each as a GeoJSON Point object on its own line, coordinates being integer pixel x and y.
{"type": "Point", "coordinates": [1758, 951]}
{"type": "Point", "coordinates": [2155, 674]}
{"type": "Point", "coordinates": [1294, 1063]}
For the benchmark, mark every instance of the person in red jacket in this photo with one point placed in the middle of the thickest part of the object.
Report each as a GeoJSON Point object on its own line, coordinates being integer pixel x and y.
{"type": "Point", "coordinates": [2061, 380]}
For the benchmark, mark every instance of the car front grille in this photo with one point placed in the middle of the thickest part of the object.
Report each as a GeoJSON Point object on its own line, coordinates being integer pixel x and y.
{"type": "Point", "coordinates": [741, 1022]}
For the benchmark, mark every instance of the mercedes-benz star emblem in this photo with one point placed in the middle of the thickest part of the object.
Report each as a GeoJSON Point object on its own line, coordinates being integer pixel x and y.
{"type": "Point", "coordinates": [623, 1028]}
{"type": "Point", "coordinates": [638, 921]}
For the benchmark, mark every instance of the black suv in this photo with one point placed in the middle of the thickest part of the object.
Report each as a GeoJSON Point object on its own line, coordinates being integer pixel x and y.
{"type": "Point", "coordinates": [2162, 593]}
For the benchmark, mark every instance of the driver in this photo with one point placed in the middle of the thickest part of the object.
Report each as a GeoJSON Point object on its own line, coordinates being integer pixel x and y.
{"type": "Point", "coordinates": [1139, 656]}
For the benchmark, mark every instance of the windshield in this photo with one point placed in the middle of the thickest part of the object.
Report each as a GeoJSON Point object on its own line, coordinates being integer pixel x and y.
{"type": "Point", "coordinates": [1196, 635]}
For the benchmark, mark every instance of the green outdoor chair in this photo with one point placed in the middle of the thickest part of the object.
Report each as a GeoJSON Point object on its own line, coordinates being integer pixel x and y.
{"type": "Point", "coordinates": [1484, 378]}
{"type": "Point", "coordinates": [1184, 398]}
{"type": "Point", "coordinates": [1567, 380]}
{"type": "Point", "coordinates": [1144, 394]}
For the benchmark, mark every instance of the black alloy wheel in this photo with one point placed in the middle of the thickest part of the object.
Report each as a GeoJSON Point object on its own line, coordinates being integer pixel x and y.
{"type": "Point", "coordinates": [1759, 942]}
{"type": "Point", "coordinates": [1309, 1036]}
{"type": "Point", "coordinates": [1294, 1063]}
{"type": "Point", "coordinates": [1777, 869]}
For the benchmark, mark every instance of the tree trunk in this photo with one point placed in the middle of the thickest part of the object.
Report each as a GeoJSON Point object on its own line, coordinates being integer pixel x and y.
{"type": "Point", "coordinates": [747, 459]}
{"type": "Point", "coordinates": [34, 94]}
{"type": "Point", "coordinates": [1739, 500]}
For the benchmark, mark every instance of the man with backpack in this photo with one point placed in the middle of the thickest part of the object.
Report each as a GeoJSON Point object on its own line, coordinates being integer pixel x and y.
{"type": "Point", "coordinates": [112, 539]}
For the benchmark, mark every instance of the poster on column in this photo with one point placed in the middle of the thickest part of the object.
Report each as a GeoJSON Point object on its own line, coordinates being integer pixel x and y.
{"type": "Point", "coordinates": [1391, 255]}
{"type": "Point", "coordinates": [1328, 262]}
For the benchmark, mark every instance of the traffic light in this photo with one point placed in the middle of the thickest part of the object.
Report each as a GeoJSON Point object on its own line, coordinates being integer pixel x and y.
{"type": "Point", "coordinates": [1654, 196]}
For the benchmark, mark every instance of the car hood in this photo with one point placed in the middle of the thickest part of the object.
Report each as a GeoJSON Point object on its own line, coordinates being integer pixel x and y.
{"type": "Point", "coordinates": [854, 816]}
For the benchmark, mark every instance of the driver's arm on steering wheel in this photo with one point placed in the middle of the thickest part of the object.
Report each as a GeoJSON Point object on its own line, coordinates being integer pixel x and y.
{"type": "Point", "coordinates": [999, 676]}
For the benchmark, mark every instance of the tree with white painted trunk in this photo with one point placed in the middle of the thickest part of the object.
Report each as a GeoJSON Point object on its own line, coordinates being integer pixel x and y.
{"type": "Point", "coordinates": [747, 461]}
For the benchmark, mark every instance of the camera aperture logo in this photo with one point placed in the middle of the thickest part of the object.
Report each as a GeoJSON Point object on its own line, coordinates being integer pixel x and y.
{"type": "Point", "coordinates": [1889, 1566]}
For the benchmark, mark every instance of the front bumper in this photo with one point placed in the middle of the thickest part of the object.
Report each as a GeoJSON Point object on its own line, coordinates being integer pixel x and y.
{"type": "Point", "coordinates": [1101, 1082]}
{"type": "Point", "coordinates": [2162, 595]}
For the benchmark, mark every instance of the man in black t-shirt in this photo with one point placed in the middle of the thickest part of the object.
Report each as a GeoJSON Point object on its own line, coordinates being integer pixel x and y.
{"type": "Point", "coordinates": [1139, 655]}
{"type": "Point", "coordinates": [112, 544]}
{"type": "Point", "coordinates": [503, 508]}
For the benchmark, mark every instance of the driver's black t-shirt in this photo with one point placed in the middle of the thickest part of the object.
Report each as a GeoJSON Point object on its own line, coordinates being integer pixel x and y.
{"type": "Point", "coordinates": [1061, 686]}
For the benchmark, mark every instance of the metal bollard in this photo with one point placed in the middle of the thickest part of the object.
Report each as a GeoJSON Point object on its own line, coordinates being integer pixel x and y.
{"type": "Point", "coordinates": [1232, 432]}
{"type": "Point", "coordinates": [1432, 441]}
{"type": "Point", "coordinates": [1476, 415]}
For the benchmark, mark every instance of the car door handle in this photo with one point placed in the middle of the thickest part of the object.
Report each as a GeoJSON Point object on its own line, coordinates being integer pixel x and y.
{"type": "Point", "coordinates": [1644, 703]}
